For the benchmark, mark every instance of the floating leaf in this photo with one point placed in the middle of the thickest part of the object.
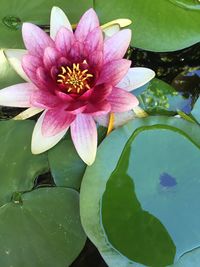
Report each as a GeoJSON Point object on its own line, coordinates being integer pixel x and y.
{"type": "Point", "coordinates": [66, 166]}
{"type": "Point", "coordinates": [157, 25]}
{"type": "Point", "coordinates": [196, 110]}
{"type": "Point", "coordinates": [132, 207]}
{"type": "Point", "coordinates": [42, 229]}
{"type": "Point", "coordinates": [18, 166]}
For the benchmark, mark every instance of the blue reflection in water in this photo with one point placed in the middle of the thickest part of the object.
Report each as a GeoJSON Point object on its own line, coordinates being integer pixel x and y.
{"type": "Point", "coordinates": [167, 180]}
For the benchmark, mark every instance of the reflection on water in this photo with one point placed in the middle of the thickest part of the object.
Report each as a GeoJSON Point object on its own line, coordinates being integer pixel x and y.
{"type": "Point", "coordinates": [179, 69]}
{"type": "Point", "coordinates": [167, 181]}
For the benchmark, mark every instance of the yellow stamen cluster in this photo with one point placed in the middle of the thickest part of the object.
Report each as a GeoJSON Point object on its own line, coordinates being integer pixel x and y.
{"type": "Point", "coordinates": [74, 78]}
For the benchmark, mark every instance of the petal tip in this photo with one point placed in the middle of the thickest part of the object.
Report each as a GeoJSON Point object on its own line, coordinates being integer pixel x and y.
{"type": "Point", "coordinates": [88, 160]}
{"type": "Point", "coordinates": [34, 148]}
{"type": "Point", "coordinates": [26, 26]}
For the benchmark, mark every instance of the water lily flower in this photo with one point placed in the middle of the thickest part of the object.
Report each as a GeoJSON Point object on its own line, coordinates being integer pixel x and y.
{"type": "Point", "coordinates": [73, 78]}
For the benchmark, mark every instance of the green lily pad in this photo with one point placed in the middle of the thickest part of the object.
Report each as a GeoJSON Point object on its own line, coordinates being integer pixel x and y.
{"type": "Point", "coordinates": [140, 209]}
{"type": "Point", "coordinates": [42, 229]}
{"type": "Point", "coordinates": [18, 166]}
{"type": "Point", "coordinates": [13, 13]}
{"type": "Point", "coordinates": [66, 166]}
{"type": "Point", "coordinates": [196, 110]}
{"type": "Point", "coordinates": [157, 25]}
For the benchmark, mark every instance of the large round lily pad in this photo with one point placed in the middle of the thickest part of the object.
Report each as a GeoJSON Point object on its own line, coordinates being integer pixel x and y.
{"type": "Point", "coordinates": [157, 25]}
{"type": "Point", "coordinates": [141, 208]}
{"type": "Point", "coordinates": [41, 228]}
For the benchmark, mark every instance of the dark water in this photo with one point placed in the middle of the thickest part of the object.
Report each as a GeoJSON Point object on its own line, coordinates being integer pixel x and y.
{"type": "Point", "coordinates": [181, 69]}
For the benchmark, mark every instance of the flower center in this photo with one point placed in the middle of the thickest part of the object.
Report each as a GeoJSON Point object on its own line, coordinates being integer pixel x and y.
{"type": "Point", "coordinates": [73, 79]}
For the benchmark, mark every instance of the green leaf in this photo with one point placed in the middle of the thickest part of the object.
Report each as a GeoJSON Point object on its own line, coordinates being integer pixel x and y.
{"type": "Point", "coordinates": [18, 166]}
{"type": "Point", "coordinates": [42, 230]}
{"type": "Point", "coordinates": [13, 13]}
{"type": "Point", "coordinates": [132, 207]}
{"type": "Point", "coordinates": [196, 110]}
{"type": "Point", "coordinates": [157, 25]}
{"type": "Point", "coordinates": [66, 166]}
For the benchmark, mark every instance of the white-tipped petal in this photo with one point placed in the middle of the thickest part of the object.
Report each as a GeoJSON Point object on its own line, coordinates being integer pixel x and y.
{"type": "Point", "coordinates": [111, 30]}
{"type": "Point", "coordinates": [30, 112]}
{"type": "Point", "coordinates": [17, 95]}
{"type": "Point", "coordinates": [84, 136]}
{"type": "Point", "coordinates": [14, 57]}
{"type": "Point", "coordinates": [41, 143]}
{"type": "Point", "coordinates": [58, 20]}
{"type": "Point", "coordinates": [135, 78]}
{"type": "Point", "coordinates": [120, 118]}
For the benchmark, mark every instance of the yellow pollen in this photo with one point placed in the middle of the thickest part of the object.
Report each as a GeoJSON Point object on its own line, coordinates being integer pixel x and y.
{"type": "Point", "coordinates": [61, 76]}
{"type": "Point", "coordinates": [63, 70]}
{"type": "Point", "coordinates": [74, 78]}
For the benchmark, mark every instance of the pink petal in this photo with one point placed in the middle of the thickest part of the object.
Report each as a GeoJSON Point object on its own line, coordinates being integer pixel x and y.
{"type": "Point", "coordinates": [116, 46]}
{"type": "Point", "coordinates": [17, 95]}
{"type": "Point", "coordinates": [121, 100]}
{"type": "Point", "coordinates": [64, 97]}
{"type": "Point", "coordinates": [51, 57]}
{"type": "Point", "coordinates": [30, 64]}
{"type": "Point", "coordinates": [64, 40]}
{"type": "Point", "coordinates": [99, 108]}
{"type": "Point", "coordinates": [76, 107]}
{"type": "Point", "coordinates": [41, 143]}
{"type": "Point", "coordinates": [78, 52]}
{"type": "Point", "coordinates": [94, 40]}
{"type": "Point", "coordinates": [95, 59]}
{"type": "Point", "coordinates": [113, 72]}
{"type": "Point", "coordinates": [87, 23]}
{"type": "Point", "coordinates": [35, 39]}
{"type": "Point", "coordinates": [102, 119]}
{"type": "Point", "coordinates": [55, 121]}
{"type": "Point", "coordinates": [44, 99]}
{"type": "Point", "coordinates": [84, 136]}
{"type": "Point", "coordinates": [100, 92]}
{"type": "Point", "coordinates": [94, 47]}
{"type": "Point", "coordinates": [44, 79]}
{"type": "Point", "coordinates": [64, 61]}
